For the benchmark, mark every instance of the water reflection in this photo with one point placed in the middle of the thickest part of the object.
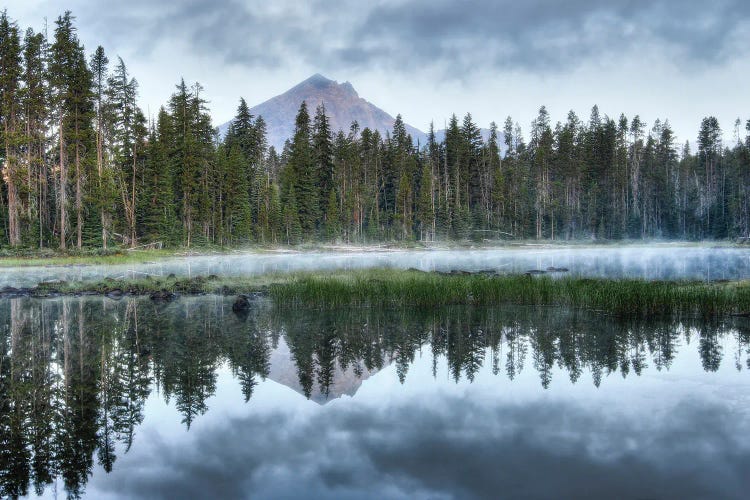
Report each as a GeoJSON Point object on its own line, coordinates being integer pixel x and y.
{"type": "Point", "coordinates": [76, 373]}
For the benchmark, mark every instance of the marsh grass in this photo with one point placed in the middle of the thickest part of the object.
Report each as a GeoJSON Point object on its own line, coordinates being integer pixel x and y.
{"type": "Point", "coordinates": [391, 288]}
{"type": "Point", "coordinates": [622, 297]}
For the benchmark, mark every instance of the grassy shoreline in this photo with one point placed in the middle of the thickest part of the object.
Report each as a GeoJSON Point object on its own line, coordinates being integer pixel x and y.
{"type": "Point", "coordinates": [391, 288]}
{"type": "Point", "coordinates": [621, 297]}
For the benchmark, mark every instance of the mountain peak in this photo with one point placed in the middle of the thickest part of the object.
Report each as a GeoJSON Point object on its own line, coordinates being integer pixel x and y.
{"type": "Point", "coordinates": [319, 81]}
{"type": "Point", "coordinates": [342, 103]}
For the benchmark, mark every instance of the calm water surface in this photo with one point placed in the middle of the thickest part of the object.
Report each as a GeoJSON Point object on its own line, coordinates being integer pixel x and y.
{"type": "Point", "coordinates": [650, 262]}
{"type": "Point", "coordinates": [129, 399]}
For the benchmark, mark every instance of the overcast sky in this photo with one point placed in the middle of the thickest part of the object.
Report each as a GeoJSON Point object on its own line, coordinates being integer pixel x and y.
{"type": "Point", "coordinates": [426, 59]}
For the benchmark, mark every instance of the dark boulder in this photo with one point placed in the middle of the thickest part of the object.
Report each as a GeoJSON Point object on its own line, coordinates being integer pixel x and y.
{"type": "Point", "coordinates": [241, 304]}
{"type": "Point", "coordinates": [163, 296]}
{"type": "Point", "coordinates": [9, 291]}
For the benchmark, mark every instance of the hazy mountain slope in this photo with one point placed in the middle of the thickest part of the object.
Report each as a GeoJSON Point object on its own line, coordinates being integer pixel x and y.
{"type": "Point", "coordinates": [343, 106]}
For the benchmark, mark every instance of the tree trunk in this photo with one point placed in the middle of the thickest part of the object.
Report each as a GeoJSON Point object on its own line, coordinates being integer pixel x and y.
{"type": "Point", "coordinates": [132, 198]}
{"type": "Point", "coordinates": [14, 237]}
{"type": "Point", "coordinates": [79, 194]}
{"type": "Point", "coordinates": [63, 191]}
{"type": "Point", "coordinates": [100, 166]}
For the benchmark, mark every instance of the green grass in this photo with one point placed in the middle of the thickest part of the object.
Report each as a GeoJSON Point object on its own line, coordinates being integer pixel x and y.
{"type": "Point", "coordinates": [93, 257]}
{"type": "Point", "coordinates": [404, 289]}
{"type": "Point", "coordinates": [630, 297]}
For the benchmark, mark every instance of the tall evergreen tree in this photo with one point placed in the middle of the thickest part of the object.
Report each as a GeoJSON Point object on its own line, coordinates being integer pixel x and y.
{"type": "Point", "coordinates": [104, 192]}
{"type": "Point", "coordinates": [322, 144]}
{"type": "Point", "coordinates": [157, 207]}
{"type": "Point", "coordinates": [300, 175]}
{"type": "Point", "coordinates": [70, 82]}
{"type": "Point", "coordinates": [35, 110]}
{"type": "Point", "coordinates": [11, 124]}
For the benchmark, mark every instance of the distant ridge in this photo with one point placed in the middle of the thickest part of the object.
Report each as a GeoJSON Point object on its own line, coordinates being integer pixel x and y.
{"type": "Point", "coordinates": [343, 106]}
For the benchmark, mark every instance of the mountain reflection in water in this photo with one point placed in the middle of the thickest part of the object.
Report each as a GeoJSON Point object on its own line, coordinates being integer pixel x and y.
{"type": "Point", "coordinates": [77, 377]}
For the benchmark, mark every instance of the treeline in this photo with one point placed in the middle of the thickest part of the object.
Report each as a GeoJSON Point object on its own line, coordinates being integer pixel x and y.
{"type": "Point", "coordinates": [82, 166]}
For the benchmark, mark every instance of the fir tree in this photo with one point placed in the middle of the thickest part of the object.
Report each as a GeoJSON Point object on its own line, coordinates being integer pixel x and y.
{"type": "Point", "coordinates": [35, 111]}
{"type": "Point", "coordinates": [333, 218]}
{"type": "Point", "coordinates": [11, 124]}
{"type": "Point", "coordinates": [322, 145]}
{"type": "Point", "coordinates": [300, 175]}
{"type": "Point", "coordinates": [70, 82]}
{"type": "Point", "coordinates": [292, 226]}
{"type": "Point", "coordinates": [237, 216]}
{"type": "Point", "coordinates": [104, 193]}
{"type": "Point", "coordinates": [425, 214]}
{"type": "Point", "coordinates": [157, 209]}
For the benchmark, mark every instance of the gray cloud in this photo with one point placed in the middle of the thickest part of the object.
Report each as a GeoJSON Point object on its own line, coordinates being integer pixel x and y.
{"type": "Point", "coordinates": [459, 449]}
{"type": "Point", "coordinates": [426, 59]}
{"type": "Point", "coordinates": [539, 34]}
{"type": "Point", "coordinates": [455, 37]}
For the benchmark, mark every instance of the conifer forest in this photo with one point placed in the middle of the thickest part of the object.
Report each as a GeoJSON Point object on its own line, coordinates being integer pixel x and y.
{"type": "Point", "coordinates": [84, 167]}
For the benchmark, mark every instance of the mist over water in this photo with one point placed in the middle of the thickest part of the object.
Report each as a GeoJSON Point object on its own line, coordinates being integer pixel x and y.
{"type": "Point", "coordinates": [648, 262]}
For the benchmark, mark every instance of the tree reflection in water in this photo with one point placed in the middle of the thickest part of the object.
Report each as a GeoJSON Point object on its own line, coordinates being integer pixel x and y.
{"type": "Point", "coordinates": [75, 373]}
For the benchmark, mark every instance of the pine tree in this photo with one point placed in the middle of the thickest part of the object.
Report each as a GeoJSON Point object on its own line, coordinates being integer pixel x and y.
{"type": "Point", "coordinates": [191, 156]}
{"type": "Point", "coordinates": [237, 217]}
{"type": "Point", "coordinates": [104, 193]}
{"type": "Point", "coordinates": [70, 81]}
{"type": "Point", "coordinates": [541, 156]}
{"type": "Point", "coordinates": [206, 206]}
{"type": "Point", "coordinates": [333, 217]}
{"type": "Point", "coordinates": [425, 209]}
{"type": "Point", "coordinates": [82, 137]}
{"type": "Point", "coordinates": [401, 170]}
{"type": "Point", "coordinates": [471, 162]}
{"type": "Point", "coordinates": [11, 124]}
{"type": "Point", "coordinates": [292, 225]}
{"type": "Point", "coordinates": [275, 217]}
{"type": "Point", "coordinates": [128, 144]}
{"type": "Point", "coordinates": [711, 206]}
{"type": "Point", "coordinates": [452, 170]}
{"type": "Point", "coordinates": [156, 207]}
{"type": "Point", "coordinates": [322, 145]}
{"type": "Point", "coordinates": [263, 213]}
{"type": "Point", "coordinates": [403, 209]}
{"type": "Point", "coordinates": [35, 111]}
{"type": "Point", "coordinates": [300, 175]}
{"type": "Point", "coordinates": [241, 130]}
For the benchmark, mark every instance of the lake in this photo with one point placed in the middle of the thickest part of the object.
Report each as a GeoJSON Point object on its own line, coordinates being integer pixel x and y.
{"type": "Point", "coordinates": [650, 262]}
{"type": "Point", "coordinates": [131, 399]}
